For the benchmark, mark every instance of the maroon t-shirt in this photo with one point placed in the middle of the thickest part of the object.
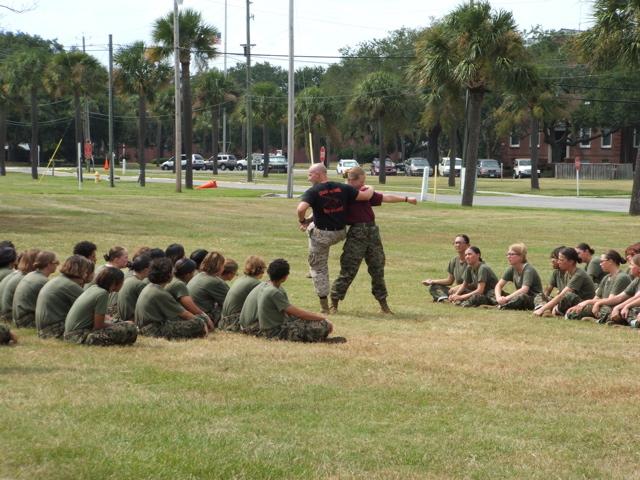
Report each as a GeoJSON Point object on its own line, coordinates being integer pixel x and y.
{"type": "Point", "coordinates": [361, 212]}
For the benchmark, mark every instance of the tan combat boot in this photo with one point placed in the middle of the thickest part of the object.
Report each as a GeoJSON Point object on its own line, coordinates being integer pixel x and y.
{"type": "Point", "coordinates": [324, 306]}
{"type": "Point", "coordinates": [384, 308]}
{"type": "Point", "coordinates": [334, 306]}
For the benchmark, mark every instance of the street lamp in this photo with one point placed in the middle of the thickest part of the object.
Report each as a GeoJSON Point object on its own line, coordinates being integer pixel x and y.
{"type": "Point", "coordinates": [177, 154]}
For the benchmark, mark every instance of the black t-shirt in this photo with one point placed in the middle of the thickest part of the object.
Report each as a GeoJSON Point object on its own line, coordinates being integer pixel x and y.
{"type": "Point", "coordinates": [329, 202]}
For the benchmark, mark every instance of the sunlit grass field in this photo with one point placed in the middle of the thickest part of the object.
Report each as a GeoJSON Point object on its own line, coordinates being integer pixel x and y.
{"type": "Point", "coordinates": [434, 391]}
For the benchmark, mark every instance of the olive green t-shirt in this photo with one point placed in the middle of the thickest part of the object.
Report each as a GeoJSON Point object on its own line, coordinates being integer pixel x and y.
{"type": "Point", "coordinates": [249, 312]}
{"type": "Point", "coordinates": [9, 285]}
{"type": "Point", "coordinates": [238, 294]}
{"type": "Point", "coordinates": [4, 272]}
{"type": "Point", "coordinates": [272, 302]}
{"type": "Point", "coordinates": [177, 288]}
{"type": "Point", "coordinates": [55, 300]}
{"type": "Point", "coordinates": [594, 269]}
{"type": "Point", "coordinates": [26, 296]}
{"type": "Point", "coordinates": [156, 305]}
{"type": "Point", "coordinates": [558, 279]}
{"type": "Point", "coordinates": [613, 286]}
{"type": "Point", "coordinates": [91, 303]}
{"type": "Point", "coordinates": [529, 277]}
{"type": "Point", "coordinates": [128, 297]}
{"type": "Point", "coordinates": [633, 288]}
{"type": "Point", "coordinates": [207, 291]}
{"type": "Point", "coordinates": [482, 274]}
{"type": "Point", "coordinates": [582, 284]}
{"type": "Point", "coordinates": [457, 269]}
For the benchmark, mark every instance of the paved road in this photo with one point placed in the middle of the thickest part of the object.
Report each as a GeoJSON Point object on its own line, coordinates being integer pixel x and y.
{"type": "Point", "coordinates": [497, 199]}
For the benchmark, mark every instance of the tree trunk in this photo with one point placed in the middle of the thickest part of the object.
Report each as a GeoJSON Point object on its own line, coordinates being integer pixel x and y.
{"type": "Point", "coordinates": [159, 145]}
{"type": "Point", "coordinates": [471, 160]}
{"type": "Point", "coordinates": [33, 147]}
{"type": "Point", "coordinates": [187, 121]}
{"type": "Point", "coordinates": [382, 176]}
{"type": "Point", "coordinates": [78, 129]}
{"type": "Point", "coordinates": [265, 149]}
{"type": "Point", "coordinates": [142, 137]}
{"type": "Point", "coordinates": [453, 152]}
{"type": "Point", "coordinates": [3, 140]}
{"type": "Point", "coordinates": [634, 205]}
{"type": "Point", "coordinates": [432, 149]}
{"type": "Point", "coordinates": [214, 139]}
{"type": "Point", "coordinates": [535, 137]}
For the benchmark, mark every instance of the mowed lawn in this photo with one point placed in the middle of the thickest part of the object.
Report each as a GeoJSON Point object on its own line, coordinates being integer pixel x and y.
{"type": "Point", "coordinates": [434, 391]}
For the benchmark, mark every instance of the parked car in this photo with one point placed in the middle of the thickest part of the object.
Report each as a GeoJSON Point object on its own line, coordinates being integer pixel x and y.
{"type": "Point", "coordinates": [522, 168]}
{"type": "Point", "coordinates": [277, 164]}
{"type": "Point", "coordinates": [256, 162]}
{"type": "Point", "coordinates": [389, 167]}
{"type": "Point", "coordinates": [488, 168]}
{"type": "Point", "coordinates": [225, 162]}
{"type": "Point", "coordinates": [196, 160]}
{"type": "Point", "coordinates": [400, 166]}
{"type": "Point", "coordinates": [241, 164]}
{"type": "Point", "coordinates": [346, 164]}
{"type": "Point", "coordinates": [443, 168]}
{"type": "Point", "coordinates": [415, 167]}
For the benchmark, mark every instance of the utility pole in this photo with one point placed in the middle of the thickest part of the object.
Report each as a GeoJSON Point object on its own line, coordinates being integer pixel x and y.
{"type": "Point", "coordinates": [247, 52]}
{"type": "Point", "coordinates": [112, 182]}
{"type": "Point", "coordinates": [177, 136]}
{"type": "Point", "coordinates": [86, 111]}
{"type": "Point", "coordinates": [224, 110]}
{"type": "Point", "coordinates": [290, 146]}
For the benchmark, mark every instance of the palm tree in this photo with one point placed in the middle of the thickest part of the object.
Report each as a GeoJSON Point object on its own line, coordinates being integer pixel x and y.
{"type": "Point", "coordinates": [137, 75]}
{"type": "Point", "coordinates": [197, 38]}
{"type": "Point", "coordinates": [7, 102]}
{"type": "Point", "coordinates": [315, 113]}
{"type": "Point", "coordinates": [75, 73]}
{"type": "Point", "coordinates": [611, 42]}
{"type": "Point", "coordinates": [476, 49]}
{"type": "Point", "coordinates": [269, 108]}
{"type": "Point", "coordinates": [216, 89]}
{"type": "Point", "coordinates": [379, 94]}
{"type": "Point", "coordinates": [26, 77]}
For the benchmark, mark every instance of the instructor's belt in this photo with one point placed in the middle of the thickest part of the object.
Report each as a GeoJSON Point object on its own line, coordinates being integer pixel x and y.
{"type": "Point", "coordinates": [366, 224]}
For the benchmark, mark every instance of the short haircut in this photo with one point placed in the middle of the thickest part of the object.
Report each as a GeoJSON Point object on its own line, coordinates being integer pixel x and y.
{"type": "Point", "coordinates": [464, 237]}
{"type": "Point", "coordinates": [570, 254]}
{"type": "Point", "coordinates": [230, 266]}
{"type": "Point", "coordinates": [636, 259]}
{"type": "Point", "coordinates": [44, 258]}
{"type": "Point", "coordinates": [183, 267]}
{"type": "Point", "coordinates": [76, 266]}
{"type": "Point", "coordinates": [109, 277]}
{"type": "Point", "coordinates": [115, 252]}
{"type": "Point", "coordinates": [84, 248]}
{"type": "Point", "coordinates": [154, 253]}
{"type": "Point", "coordinates": [8, 255]}
{"type": "Point", "coordinates": [212, 263]}
{"type": "Point", "coordinates": [198, 256]}
{"type": "Point", "coordinates": [278, 269]}
{"type": "Point", "coordinates": [28, 260]}
{"type": "Point", "coordinates": [254, 265]}
{"type": "Point", "coordinates": [7, 243]}
{"type": "Point", "coordinates": [140, 263]}
{"type": "Point", "coordinates": [174, 252]}
{"type": "Point", "coordinates": [160, 270]}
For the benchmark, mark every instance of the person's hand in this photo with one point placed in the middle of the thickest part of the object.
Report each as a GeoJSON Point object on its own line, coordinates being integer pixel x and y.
{"type": "Point", "coordinates": [454, 297]}
{"type": "Point", "coordinates": [538, 313]}
{"type": "Point", "coordinates": [595, 310]}
{"type": "Point", "coordinates": [428, 281]}
{"type": "Point", "coordinates": [555, 310]}
{"type": "Point", "coordinates": [624, 313]}
{"type": "Point", "coordinates": [14, 337]}
{"type": "Point", "coordinates": [501, 300]}
{"type": "Point", "coordinates": [576, 309]}
{"type": "Point", "coordinates": [412, 200]}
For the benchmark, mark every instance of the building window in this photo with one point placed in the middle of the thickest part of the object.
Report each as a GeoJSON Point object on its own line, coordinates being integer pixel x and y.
{"type": "Point", "coordinates": [585, 133]}
{"type": "Point", "coordinates": [606, 139]}
{"type": "Point", "coordinates": [514, 140]}
{"type": "Point", "coordinates": [636, 138]}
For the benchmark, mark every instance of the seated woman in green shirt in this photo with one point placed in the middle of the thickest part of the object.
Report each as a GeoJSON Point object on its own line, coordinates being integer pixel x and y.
{"type": "Point", "coordinates": [614, 283]}
{"type": "Point", "coordinates": [87, 321]}
{"type": "Point", "coordinates": [208, 289]}
{"type": "Point", "coordinates": [158, 314]}
{"type": "Point", "coordinates": [254, 268]}
{"type": "Point", "coordinates": [26, 261]}
{"type": "Point", "coordinates": [133, 285]}
{"type": "Point", "coordinates": [183, 272]}
{"type": "Point", "coordinates": [27, 291]}
{"type": "Point", "coordinates": [558, 280]}
{"type": "Point", "coordinates": [591, 263]}
{"type": "Point", "coordinates": [478, 276]}
{"type": "Point", "coordinates": [627, 303]}
{"type": "Point", "coordinates": [8, 260]}
{"type": "Point", "coordinates": [579, 285]}
{"type": "Point", "coordinates": [441, 288]}
{"type": "Point", "coordinates": [58, 296]}
{"type": "Point", "coordinates": [524, 277]}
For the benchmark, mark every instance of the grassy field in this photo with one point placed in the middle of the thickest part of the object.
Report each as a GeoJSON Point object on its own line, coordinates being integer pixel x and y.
{"type": "Point", "coordinates": [434, 391]}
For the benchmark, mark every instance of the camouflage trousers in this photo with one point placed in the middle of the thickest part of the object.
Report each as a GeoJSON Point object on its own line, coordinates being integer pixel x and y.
{"type": "Point", "coordinates": [604, 315]}
{"type": "Point", "coordinates": [5, 335]}
{"type": "Point", "coordinates": [252, 329]}
{"type": "Point", "coordinates": [568, 300]}
{"type": "Point", "coordinates": [363, 242]}
{"type": "Point", "coordinates": [541, 299]}
{"type": "Point", "coordinates": [230, 323]}
{"type": "Point", "coordinates": [476, 300]}
{"type": "Point", "coordinates": [439, 291]}
{"type": "Point", "coordinates": [28, 320]}
{"type": "Point", "coordinates": [295, 330]}
{"type": "Point", "coordinates": [177, 328]}
{"type": "Point", "coordinates": [215, 315]}
{"type": "Point", "coordinates": [120, 334]}
{"type": "Point", "coordinates": [522, 301]}
{"type": "Point", "coordinates": [6, 317]}
{"type": "Point", "coordinates": [320, 242]}
{"type": "Point", "coordinates": [585, 314]}
{"type": "Point", "coordinates": [55, 330]}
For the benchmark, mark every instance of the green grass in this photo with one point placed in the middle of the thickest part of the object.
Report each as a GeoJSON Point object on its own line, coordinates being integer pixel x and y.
{"type": "Point", "coordinates": [434, 391]}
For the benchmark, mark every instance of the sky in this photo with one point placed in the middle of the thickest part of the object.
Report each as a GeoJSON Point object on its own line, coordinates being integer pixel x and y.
{"type": "Point", "coordinates": [321, 27]}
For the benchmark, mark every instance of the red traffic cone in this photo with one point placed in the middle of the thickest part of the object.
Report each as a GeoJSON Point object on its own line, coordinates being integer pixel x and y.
{"type": "Point", "coordinates": [211, 184]}
{"type": "Point", "coordinates": [106, 163]}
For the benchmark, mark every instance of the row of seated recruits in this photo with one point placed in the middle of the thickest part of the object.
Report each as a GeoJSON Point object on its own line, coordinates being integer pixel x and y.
{"type": "Point", "coordinates": [163, 294]}
{"type": "Point", "coordinates": [602, 292]}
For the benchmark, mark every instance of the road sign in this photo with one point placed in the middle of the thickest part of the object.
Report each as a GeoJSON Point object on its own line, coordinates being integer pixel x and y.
{"type": "Point", "coordinates": [88, 150]}
{"type": "Point", "coordinates": [322, 154]}
{"type": "Point", "coordinates": [577, 163]}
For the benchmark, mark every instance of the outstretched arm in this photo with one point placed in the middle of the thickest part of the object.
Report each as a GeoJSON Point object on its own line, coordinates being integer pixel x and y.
{"type": "Point", "coordinates": [388, 198]}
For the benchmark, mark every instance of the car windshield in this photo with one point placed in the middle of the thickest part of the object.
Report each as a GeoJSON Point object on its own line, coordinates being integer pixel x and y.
{"type": "Point", "coordinates": [445, 161]}
{"type": "Point", "coordinates": [490, 163]}
{"type": "Point", "coordinates": [350, 163]}
{"type": "Point", "coordinates": [420, 163]}
{"type": "Point", "coordinates": [524, 163]}
{"type": "Point", "coordinates": [389, 163]}
{"type": "Point", "coordinates": [277, 160]}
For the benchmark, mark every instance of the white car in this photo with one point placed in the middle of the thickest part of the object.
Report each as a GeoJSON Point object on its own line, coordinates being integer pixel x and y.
{"type": "Point", "coordinates": [522, 168]}
{"type": "Point", "coordinates": [346, 164]}
{"type": "Point", "coordinates": [443, 168]}
{"type": "Point", "coordinates": [196, 161]}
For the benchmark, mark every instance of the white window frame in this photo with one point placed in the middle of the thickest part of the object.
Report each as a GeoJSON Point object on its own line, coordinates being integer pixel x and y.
{"type": "Point", "coordinates": [605, 135]}
{"type": "Point", "coordinates": [585, 143]}
{"type": "Point", "coordinates": [636, 138]}
{"type": "Point", "coordinates": [513, 143]}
